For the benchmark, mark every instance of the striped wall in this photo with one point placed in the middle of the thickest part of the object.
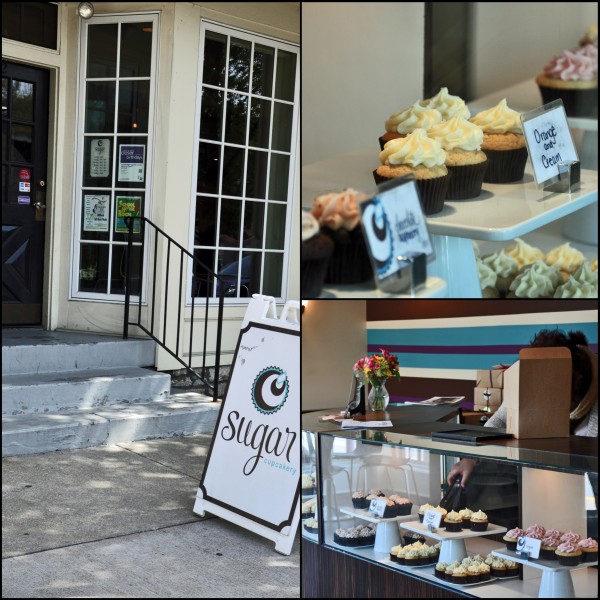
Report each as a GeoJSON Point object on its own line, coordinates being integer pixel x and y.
{"type": "Point", "coordinates": [440, 356]}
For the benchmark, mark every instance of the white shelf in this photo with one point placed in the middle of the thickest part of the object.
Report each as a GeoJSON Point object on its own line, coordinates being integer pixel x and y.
{"type": "Point", "coordinates": [434, 288]}
{"type": "Point", "coordinates": [367, 516]}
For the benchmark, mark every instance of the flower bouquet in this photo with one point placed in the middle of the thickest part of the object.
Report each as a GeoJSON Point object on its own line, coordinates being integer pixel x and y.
{"type": "Point", "coordinates": [377, 369]}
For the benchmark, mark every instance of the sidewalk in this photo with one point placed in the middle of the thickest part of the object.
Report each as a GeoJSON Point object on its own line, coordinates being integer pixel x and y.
{"type": "Point", "coordinates": [117, 521]}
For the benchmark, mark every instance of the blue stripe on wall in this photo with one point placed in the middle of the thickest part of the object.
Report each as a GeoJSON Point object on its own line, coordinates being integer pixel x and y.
{"type": "Point", "coordinates": [477, 347]}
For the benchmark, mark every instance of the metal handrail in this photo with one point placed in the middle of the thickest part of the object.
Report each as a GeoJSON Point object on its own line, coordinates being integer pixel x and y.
{"type": "Point", "coordinates": [210, 278]}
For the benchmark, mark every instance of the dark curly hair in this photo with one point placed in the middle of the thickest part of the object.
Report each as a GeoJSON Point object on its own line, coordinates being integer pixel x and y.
{"type": "Point", "coordinates": [582, 368]}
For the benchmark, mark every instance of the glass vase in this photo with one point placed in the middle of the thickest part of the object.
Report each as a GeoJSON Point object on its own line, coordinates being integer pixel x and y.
{"type": "Point", "coordinates": [378, 397]}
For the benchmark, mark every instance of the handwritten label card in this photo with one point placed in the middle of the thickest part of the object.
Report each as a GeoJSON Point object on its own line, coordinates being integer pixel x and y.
{"type": "Point", "coordinates": [395, 229]}
{"type": "Point", "coordinates": [528, 547]}
{"type": "Point", "coordinates": [377, 507]}
{"type": "Point", "coordinates": [548, 139]}
{"type": "Point", "coordinates": [432, 518]}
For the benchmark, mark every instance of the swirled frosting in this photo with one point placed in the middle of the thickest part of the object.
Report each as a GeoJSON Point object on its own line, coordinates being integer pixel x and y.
{"type": "Point", "coordinates": [515, 533]}
{"type": "Point", "coordinates": [574, 65]}
{"type": "Point", "coordinates": [338, 210]}
{"type": "Point", "coordinates": [536, 529]}
{"type": "Point", "coordinates": [584, 274]}
{"type": "Point", "coordinates": [588, 543]}
{"type": "Point", "coordinates": [594, 265]}
{"type": "Point", "coordinates": [498, 119]}
{"type": "Point", "coordinates": [523, 253]}
{"type": "Point", "coordinates": [574, 289]}
{"type": "Point", "coordinates": [465, 513]}
{"type": "Point", "coordinates": [568, 548]}
{"type": "Point", "coordinates": [479, 516]}
{"type": "Point", "coordinates": [565, 258]}
{"type": "Point", "coordinates": [414, 117]}
{"type": "Point", "coordinates": [551, 540]}
{"type": "Point", "coordinates": [453, 516]}
{"type": "Point", "coordinates": [457, 134]}
{"type": "Point", "coordinates": [413, 150]}
{"type": "Point", "coordinates": [310, 226]}
{"type": "Point", "coordinates": [502, 264]}
{"type": "Point", "coordinates": [537, 280]}
{"type": "Point", "coordinates": [570, 536]}
{"type": "Point", "coordinates": [447, 104]}
{"type": "Point", "coordinates": [487, 275]}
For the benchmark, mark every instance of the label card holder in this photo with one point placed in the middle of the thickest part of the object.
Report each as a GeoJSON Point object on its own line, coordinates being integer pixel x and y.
{"type": "Point", "coordinates": [528, 548]}
{"type": "Point", "coordinates": [397, 236]}
{"type": "Point", "coordinates": [432, 519]}
{"type": "Point", "coordinates": [551, 149]}
{"type": "Point", "coordinates": [377, 507]}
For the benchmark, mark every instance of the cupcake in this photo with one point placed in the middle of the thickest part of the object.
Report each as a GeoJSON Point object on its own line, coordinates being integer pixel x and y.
{"type": "Point", "coordinates": [316, 251]}
{"type": "Point", "coordinates": [479, 521]}
{"type": "Point", "coordinates": [536, 280]}
{"type": "Point", "coordinates": [506, 269]}
{"type": "Point", "coordinates": [570, 536]}
{"type": "Point", "coordinates": [484, 572]}
{"type": "Point", "coordinates": [338, 215]}
{"type": "Point", "coordinates": [512, 536]}
{"type": "Point", "coordinates": [376, 492]}
{"type": "Point", "coordinates": [537, 532]}
{"type": "Point", "coordinates": [487, 280]}
{"type": "Point", "coordinates": [442, 510]}
{"type": "Point", "coordinates": [311, 525]}
{"type": "Point", "coordinates": [362, 535]}
{"type": "Point", "coordinates": [573, 78]}
{"type": "Point", "coordinates": [498, 568]}
{"type": "Point", "coordinates": [448, 105]}
{"type": "Point", "coordinates": [459, 575]}
{"type": "Point", "coordinates": [473, 574]}
{"type": "Point", "coordinates": [589, 548]}
{"type": "Point", "coordinates": [402, 123]}
{"type": "Point", "coordinates": [411, 538]}
{"type": "Point", "coordinates": [569, 554]}
{"type": "Point", "coordinates": [359, 500]}
{"type": "Point", "coordinates": [524, 253]}
{"type": "Point", "coordinates": [400, 553]}
{"type": "Point", "coordinates": [394, 553]}
{"type": "Point", "coordinates": [440, 570]}
{"type": "Point", "coordinates": [503, 143]}
{"type": "Point", "coordinates": [550, 543]}
{"type": "Point", "coordinates": [576, 289]}
{"type": "Point", "coordinates": [412, 558]}
{"type": "Point", "coordinates": [423, 509]}
{"type": "Point", "coordinates": [402, 506]}
{"type": "Point", "coordinates": [308, 508]}
{"type": "Point", "coordinates": [465, 515]}
{"type": "Point", "coordinates": [453, 522]}
{"type": "Point", "coordinates": [466, 163]}
{"type": "Point", "coordinates": [566, 259]}
{"type": "Point", "coordinates": [308, 484]}
{"type": "Point", "coordinates": [389, 511]}
{"type": "Point", "coordinates": [512, 568]}
{"type": "Point", "coordinates": [422, 157]}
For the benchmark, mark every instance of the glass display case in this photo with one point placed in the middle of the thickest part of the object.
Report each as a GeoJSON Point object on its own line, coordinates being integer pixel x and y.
{"type": "Point", "coordinates": [514, 484]}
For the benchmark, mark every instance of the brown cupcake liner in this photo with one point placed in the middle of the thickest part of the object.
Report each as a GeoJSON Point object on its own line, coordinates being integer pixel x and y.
{"type": "Point", "coordinates": [350, 262]}
{"type": "Point", "coordinates": [312, 277]}
{"type": "Point", "coordinates": [432, 192]}
{"type": "Point", "coordinates": [577, 103]}
{"type": "Point", "coordinates": [466, 181]}
{"type": "Point", "coordinates": [505, 166]}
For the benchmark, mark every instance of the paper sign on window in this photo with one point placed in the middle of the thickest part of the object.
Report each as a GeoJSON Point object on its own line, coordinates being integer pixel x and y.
{"type": "Point", "coordinates": [95, 212]}
{"type": "Point", "coordinates": [131, 162]}
{"type": "Point", "coordinates": [127, 206]}
{"type": "Point", "coordinates": [100, 158]}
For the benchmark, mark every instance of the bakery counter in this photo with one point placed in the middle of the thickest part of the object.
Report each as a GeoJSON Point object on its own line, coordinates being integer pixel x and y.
{"type": "Point", "coordinates": [502, 212]}
{"type": "Point", "coordinates": [434, 287]}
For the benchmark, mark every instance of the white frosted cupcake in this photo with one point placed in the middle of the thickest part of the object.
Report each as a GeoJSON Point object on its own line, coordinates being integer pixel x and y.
{"type": "Point", "coordinates": [537, 280]}
{"type": "Point", "coordinates": [487, 280]}
{"type": "Point", "coordinates": [506, 269]}
{"type": "Point", "coordinates": [448, 105]}
{"type": "Point", "coordinates": [565, 258]}
{"type": "Point", "coordinates": [402, 123]}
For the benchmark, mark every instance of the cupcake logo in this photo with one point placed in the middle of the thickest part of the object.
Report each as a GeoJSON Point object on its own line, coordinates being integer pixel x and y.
{"type": "Point", "coordinates": [270, 390]}
{"type": "Point", "coordinates": [379, 234]}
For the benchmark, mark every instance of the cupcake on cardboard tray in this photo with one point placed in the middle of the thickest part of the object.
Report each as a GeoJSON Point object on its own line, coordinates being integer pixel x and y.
{"type": "Point", "coordinates": [338, 214]}
{"type": "Point", "coordinates": [420, 156]}
{"type": "Point", "coordinates": [503, 143]}
{"type": "Point", "coordinates": [466, 163]}
{"type": "Point", "coordinates": [402, 123]}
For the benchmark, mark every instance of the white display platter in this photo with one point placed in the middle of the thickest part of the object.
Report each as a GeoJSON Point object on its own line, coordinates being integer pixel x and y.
{"type": "Point", "coordinates": [367, 516]}
{"type": "Point", "coordinates": [434, 288]}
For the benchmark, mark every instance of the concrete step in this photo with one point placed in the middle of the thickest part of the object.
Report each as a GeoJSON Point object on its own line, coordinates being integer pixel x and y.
{"type": "Point", "coordinates": [182, 414]}
{"type": "Point", "coordinates": [39, 351]}
{"type": "Point", "coordinates": [82, 389]}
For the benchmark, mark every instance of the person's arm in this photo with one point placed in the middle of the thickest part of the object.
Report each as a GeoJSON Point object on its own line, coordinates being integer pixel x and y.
{"type": "Point", "coordinates": [498, 419]}
{"type": "Point", "coordinates": [463, 468]}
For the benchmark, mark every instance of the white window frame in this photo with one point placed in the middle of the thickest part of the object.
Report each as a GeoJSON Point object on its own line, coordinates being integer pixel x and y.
{"type": "Point", "coordinates": [78, 187]}
{"type": "Point", "coordinates": [254, 38]}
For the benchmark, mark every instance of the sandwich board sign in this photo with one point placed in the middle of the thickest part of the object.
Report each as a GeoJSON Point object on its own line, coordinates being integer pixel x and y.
{"type": "Point", "coordinates": [252, 475]}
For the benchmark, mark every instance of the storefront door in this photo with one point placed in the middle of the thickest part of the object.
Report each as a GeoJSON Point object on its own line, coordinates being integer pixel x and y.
{"type": "Point", "coordinates": [24, 164]}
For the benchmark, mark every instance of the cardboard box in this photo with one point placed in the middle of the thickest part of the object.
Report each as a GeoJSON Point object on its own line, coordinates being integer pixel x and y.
{"type": "Point", "coordinates": [537, 393]}
{"type": "Point", "coordinates": [479, 401]}
{"type": "Point", "coordinates": [493, 378]}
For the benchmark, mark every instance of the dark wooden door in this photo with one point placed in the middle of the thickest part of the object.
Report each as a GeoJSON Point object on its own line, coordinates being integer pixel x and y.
{"type": "Point", "coordinates": [24, 164]}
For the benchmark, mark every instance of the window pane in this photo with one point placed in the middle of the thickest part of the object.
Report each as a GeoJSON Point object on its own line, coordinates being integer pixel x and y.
{"type": "Point", "coordinates": [231, 222]}
{"type": "Point", "coordinates": [134, 102]}
{"type": "Point", "coordinates": [95, 216]}
{"type": "Point", "coordinates": [215, 48]}
{"type": "Point", "coordinates": [22, 101]}
{"type": "Point", "coordinates": [262, 73]}
{"type": "Point", "coordinates": [286, 75]}
{"type": "Point", "coordinates": [272, 274]}
{"type": "Point", "coordinates": [235, 122]}
{"type": "Point", "coordinates": [97, 161]}
{"type": "Point", "coordinates": [102, 50]}
{"type": "Point", "coordinates": [250, 280]}
{"type": "Point", "coordinates": [278, 176]}
{"type": "Point", "coordinates": [233, 171]}
{"type": "Point", "coordinates": [211, 118]}
{"type": "Point", "coordinates": [205, 232]}
{"type": "Point", "coordinates": [228, 268]}
{"type": "Point", "coordinates": [136, 49]}
{"type": "Point", "coordinates": [208, 168]}
{"type": "Point", "coordinates": [260, 120]}
{"type": "Point", "coordinates": [253, 224]}
{"type": "Point", "coordinates": [119, 270]}
{"type": "Point", "coordinates": [282, 127]}
{"type": "Point", "coordinates": [31, 22]}
{"type": "Point", "coordinates": [256, 176]}
{"type": "Point", "coordinates": [100, 107]}
{"type": "Point", "coordinates": [93, 268]}
{"type": "Point", "coordinates": [21, 136]}
{"type": "Point", "coordinates": [203, 284]}
{"type": "Point", "coordinates": [239, 65]}
{"type": "Point", "coordinates": [275, 234]}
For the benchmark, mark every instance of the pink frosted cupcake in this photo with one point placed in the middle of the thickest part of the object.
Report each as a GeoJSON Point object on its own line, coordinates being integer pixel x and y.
{"type": "Point", "coordinates": [569, 554]}
{"type": "Point", "coordinates": [589, 547]}
{"type": "Point", "coordinates": [512, 537]}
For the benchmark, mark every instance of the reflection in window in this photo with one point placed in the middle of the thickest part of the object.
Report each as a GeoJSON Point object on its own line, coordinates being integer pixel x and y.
{"type": "Point", "coordinates": [246, 133]}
